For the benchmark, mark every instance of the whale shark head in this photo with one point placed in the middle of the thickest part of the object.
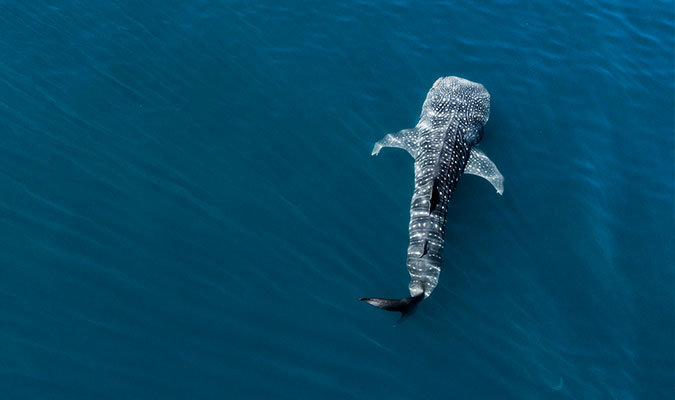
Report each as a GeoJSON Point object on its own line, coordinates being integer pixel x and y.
{"type": "Point", "coordinates": [454, 100]}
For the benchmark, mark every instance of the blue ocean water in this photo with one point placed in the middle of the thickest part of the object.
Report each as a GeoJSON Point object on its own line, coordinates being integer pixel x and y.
{"type": "Point", "coordinates": [189, 208]}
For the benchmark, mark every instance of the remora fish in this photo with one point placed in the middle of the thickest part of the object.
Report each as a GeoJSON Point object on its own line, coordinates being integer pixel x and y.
{"type": "Point", "coordinates": [451, 123]}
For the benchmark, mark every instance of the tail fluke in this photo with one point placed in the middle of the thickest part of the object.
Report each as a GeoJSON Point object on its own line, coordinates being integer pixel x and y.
{"type": "Point", "coordinates": [403, 305]}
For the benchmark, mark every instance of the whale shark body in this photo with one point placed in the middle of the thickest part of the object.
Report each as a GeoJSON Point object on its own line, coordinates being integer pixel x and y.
{"type": "Point", "coordinates": [442, 144]}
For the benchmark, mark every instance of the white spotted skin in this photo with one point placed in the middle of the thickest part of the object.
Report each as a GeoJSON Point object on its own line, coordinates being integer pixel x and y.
{"type": "Point", "coordinates": [451, 122]}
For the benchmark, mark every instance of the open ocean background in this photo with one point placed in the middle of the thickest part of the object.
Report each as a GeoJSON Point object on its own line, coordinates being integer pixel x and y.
{"type": "Point", "coordinates": [189, 208]}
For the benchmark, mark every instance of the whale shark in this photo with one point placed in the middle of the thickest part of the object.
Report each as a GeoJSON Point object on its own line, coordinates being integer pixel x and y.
{"type": "Point", "coordinates": [443, 147]}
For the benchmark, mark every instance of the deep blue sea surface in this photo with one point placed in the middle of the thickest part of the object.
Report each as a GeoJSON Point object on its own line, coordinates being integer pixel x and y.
{"type": "Point", "coordinates": [189, 208]}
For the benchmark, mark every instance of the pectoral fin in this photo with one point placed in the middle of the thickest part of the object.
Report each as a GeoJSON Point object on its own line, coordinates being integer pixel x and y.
{"type": "Point", "coordinates": [479, 164]}
{"type": "Point", "coordinates": [404, 139]}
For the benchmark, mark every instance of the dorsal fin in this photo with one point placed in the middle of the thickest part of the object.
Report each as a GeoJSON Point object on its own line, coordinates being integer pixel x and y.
{"type": "Point", "coordinates": [435, 196]}
{"type": "Point", "coordinates": [425, 248]}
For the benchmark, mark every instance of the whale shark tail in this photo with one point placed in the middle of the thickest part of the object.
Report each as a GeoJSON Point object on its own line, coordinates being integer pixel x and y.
{"type": "Point", "coordinates": [404, 305]}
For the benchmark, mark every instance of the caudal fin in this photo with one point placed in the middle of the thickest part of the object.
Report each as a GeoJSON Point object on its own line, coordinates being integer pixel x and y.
{"type": "Point", "coordinates": [403, 305]}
